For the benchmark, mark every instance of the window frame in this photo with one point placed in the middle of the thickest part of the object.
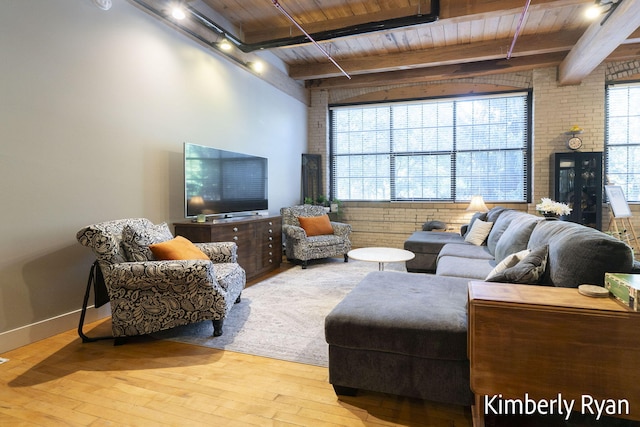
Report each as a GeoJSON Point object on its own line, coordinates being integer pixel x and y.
{"type": "Point", "coordinates": [629, 195]}
{"type": "Point", "coordinates": [527, 148]}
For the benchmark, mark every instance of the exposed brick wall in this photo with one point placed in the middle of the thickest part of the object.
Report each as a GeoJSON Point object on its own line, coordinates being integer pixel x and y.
{"type": "Point", "coordinates": [318, 139]}
{"type": "Point", "coordinates": [555, 109]}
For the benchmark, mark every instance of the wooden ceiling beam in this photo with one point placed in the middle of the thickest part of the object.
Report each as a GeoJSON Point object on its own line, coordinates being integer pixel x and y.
{"type": "Point", "coordinates": [450, 11]}
{"type": "Point", "coordinates": [477, 69]}
{"type": "Point", "coordinates": [448, 55]}
{"type": "Point", "coordinates": [625, 52]}
{"type": "Point", "coordinates": [261, 35]}
{"type": "Point", "coordinates": [454, 9]}
{"type": "Point", "coordinates": [599, 41]}
{"type": "Point", "coordinates": [444, 72]}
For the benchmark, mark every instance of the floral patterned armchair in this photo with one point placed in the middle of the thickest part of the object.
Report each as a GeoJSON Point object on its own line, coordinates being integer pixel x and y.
{"type": "Point", "coordinates": [299, 246]}
{"type": "Point", "coordinates": [147, 295]}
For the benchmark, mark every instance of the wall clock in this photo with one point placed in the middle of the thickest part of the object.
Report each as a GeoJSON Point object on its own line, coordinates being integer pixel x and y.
{"type": "Point", "coordinates": [574, 143]}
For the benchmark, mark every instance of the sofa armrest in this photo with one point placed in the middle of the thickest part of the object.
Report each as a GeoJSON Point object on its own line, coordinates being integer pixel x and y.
{"type": "Point", "coordinates": [341, 229]}
{"type": "Point", "coordinates": [220, 252]}
{"type": "Point", "coordinates": [294, 232]}
{"type": "Point", "coordinates": [179, 276]}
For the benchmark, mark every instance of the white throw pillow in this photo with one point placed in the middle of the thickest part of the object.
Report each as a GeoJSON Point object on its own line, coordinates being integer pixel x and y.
{"type": "Point", "coordinates": [479, 232]}
{"type": "Point", "coordinates": [508, 262]}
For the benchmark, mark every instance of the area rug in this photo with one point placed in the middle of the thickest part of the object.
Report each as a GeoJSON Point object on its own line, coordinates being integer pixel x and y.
{"type": "Point", "coordinates": [282, 317]}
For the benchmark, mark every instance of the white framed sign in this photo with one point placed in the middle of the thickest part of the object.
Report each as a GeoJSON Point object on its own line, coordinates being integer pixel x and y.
{"type": "Point", "coordinates": [617, 201]}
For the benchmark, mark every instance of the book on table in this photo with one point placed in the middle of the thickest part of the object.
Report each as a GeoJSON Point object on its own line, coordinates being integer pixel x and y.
{"type": "Point", "coordinates": [625, 288]}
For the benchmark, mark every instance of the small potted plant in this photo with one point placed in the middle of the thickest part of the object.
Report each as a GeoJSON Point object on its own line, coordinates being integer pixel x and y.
{"type": "Point", "coordinates": [323, 201]}
{"type": "Point", "coordinates": [552, 209]}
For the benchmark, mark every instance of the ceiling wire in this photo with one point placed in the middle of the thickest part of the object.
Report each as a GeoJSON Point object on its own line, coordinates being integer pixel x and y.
{"type": "Point", "coordinates": [518, 28]}
{"type": "Point", "coordinates": [323, 50]}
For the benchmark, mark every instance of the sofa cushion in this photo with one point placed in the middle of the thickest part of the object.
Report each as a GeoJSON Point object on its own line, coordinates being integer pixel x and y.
{"type": "Point", "coordinates": [508, 262]}
{"type": "Point", "coordinates": [465, 250]}
{"type": "Point", "coordinates": [105, 238]}
{"type": "Point", "coordinates": [478, 215]}
{"type": "Point", "coordinates": [136, 240]}
{"type": "Point", "coordinates": [579, 254]}
{"type": "Point", "coordinates": [479, 232]}
{"type": "Point", "coordinates": [470, 268]}
{"type": "Point", "coordinates": [529, 270]}
{"type": "Point", "coordinates": [177, 249]}
{"type": "Point", "coordinates": [499, 228]}
{"type": "Point", "coordinates": [426, 245]}
{"type": "Point", "coordinates": [494, 213]}
{"type": "Point", "coordinates": [405, 313]}
{"type": "Point", "coordinates": [316, 225]}
{"type": "Point", "coordinates": [430, 242]}
{"type": "Point", "coordinates": [516, 236]}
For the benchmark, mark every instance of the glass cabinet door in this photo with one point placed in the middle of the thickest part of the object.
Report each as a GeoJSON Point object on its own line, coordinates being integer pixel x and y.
{"type": "Point", "coordinates": [566, 181]}
{"type": "Point", "coordinates": [578, 183]}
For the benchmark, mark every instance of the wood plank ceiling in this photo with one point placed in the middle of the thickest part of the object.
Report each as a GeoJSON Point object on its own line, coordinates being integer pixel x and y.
{"type": "Point", "coordinates": [469, 37]}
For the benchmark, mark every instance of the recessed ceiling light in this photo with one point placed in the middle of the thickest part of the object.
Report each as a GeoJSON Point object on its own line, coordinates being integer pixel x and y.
{"type": "Point", "coordinates": [256, 66]}
{"type": "Point", "coordinates": [178, 13]}
{"type": "Point", "coordinates": [225, 45]}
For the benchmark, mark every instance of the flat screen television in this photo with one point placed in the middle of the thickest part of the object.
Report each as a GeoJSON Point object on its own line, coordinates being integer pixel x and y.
{"type": "Point", "coordinates": [223, 183]}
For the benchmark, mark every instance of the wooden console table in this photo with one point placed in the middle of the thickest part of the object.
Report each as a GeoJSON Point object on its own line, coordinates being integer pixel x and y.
{"type": "Point", "coordinates": [543, 341]}
{"type": "Point", "coordinates": [259, 239]}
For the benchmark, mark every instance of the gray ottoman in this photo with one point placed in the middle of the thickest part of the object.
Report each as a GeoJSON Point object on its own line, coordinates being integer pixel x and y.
{"type": "Point", "coordinates": [404, 334]}
{"type": "Point", "coordinates": [426, 245]}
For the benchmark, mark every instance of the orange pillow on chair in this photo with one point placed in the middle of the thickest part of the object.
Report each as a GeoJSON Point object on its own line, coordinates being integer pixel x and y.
{"type": "Point", "coordinates": [316, 225]}
{"type": "Point", "coordinates": [177, 248]}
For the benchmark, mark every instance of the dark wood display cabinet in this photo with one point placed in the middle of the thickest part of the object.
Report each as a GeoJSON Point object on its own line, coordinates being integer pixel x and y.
{"type": "Point", "coordinates": [259, 239]}
{"type": "Point", "coordinates": [578, 183]}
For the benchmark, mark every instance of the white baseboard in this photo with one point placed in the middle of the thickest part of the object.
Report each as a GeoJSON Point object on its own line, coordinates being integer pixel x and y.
{"type": "Point", "coordinates": [47, 328]}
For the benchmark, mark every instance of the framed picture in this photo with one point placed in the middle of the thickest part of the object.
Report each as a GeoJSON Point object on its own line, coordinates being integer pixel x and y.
{"type": "Point", "coordinates": [617, 201]}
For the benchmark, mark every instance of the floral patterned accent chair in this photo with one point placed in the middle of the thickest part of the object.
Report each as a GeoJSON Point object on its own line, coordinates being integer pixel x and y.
{"type": "Point", "coordinates": [302, 247]}
{"type": "Point", "coordinates": [149, 295]}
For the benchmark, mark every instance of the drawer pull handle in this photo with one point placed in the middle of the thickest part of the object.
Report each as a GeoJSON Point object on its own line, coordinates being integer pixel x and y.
{"type": "Point", "coordinates": [270, 253]}
{"type": "Point", "coordinates": [270, 223]}
{"type": "Point", "coordinates": [235, 238]}
{"type": "Point", "coordinates": [270, 231]}
{"type": "Point", "coordinates": [270, 238]}
{"type": "Point", "coordinates": [270, 245]}
{"type": "Point", "coordinates": [235, 229]}
{"type": "Point", "coordinates": [271, 261]}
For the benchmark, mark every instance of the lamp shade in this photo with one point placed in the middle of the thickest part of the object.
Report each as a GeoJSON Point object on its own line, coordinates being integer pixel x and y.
{"type": "Point", "coordinates": [477, 204]}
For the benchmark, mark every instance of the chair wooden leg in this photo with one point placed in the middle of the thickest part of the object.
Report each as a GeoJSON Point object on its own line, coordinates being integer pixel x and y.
{"type": "Point", "coordinates": [217, 327]}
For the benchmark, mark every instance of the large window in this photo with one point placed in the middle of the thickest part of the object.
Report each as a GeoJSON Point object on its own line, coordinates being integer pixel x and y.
{"type": "Point", "coordinates": [623, 138]}
{"type": "Point", "coordinates": [432, 150]}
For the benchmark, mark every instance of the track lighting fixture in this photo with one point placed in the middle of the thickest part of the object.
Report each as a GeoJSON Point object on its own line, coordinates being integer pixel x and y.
{"type": "Point", "coordinates": [602, 7]}
{"type": "Point", "coordinates": [225, 45]}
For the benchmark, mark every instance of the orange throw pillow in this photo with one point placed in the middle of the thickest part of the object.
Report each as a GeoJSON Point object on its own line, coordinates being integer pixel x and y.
{"type": "Point", "coordinates": [316, 225]}
{"type": "Point", "coordinates": [177, 248]}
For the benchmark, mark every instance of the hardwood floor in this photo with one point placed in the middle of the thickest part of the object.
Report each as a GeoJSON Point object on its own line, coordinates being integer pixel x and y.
{"type": "Point", "coordinates": [60, 381]}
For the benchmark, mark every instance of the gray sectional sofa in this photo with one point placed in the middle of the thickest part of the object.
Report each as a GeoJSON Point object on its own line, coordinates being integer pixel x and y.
{"type": "Point", "coordinates": [406, 333]}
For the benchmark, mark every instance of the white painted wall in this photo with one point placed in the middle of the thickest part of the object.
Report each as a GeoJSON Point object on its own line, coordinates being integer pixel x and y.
{"type": "Point", "coordinates": [94, 109]}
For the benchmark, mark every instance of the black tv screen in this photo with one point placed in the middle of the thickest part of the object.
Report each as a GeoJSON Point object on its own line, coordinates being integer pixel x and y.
{"type": "Point", "coordinates": [219, 182]}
